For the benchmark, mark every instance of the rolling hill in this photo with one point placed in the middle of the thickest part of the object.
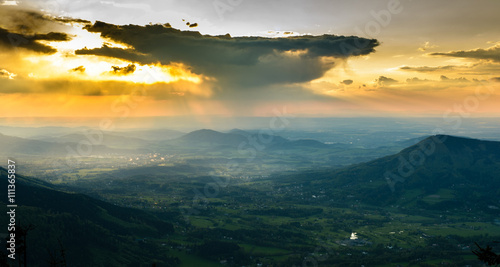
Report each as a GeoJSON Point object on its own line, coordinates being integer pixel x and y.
{"type": "Point", "coordinates": [20, 146]}
{"type": "Point", "coordinates": [210, 137]}
{"type": "Point", "coordinates": [15, 145]}
{"type": "Point", "coordinates": [91, 232]}
{"type": "Point", "coordinates": [109, 140]}
{"type": "Point", "coordinates": [438, 172]}
{"type": "Point", "coordinates": [237, 138]}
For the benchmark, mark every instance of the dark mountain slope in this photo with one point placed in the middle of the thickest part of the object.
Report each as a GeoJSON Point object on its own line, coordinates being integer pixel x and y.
{"type": "Point", "coordinates": [92, 232]}
{"type": "Point", "coordinates": [453, 170]}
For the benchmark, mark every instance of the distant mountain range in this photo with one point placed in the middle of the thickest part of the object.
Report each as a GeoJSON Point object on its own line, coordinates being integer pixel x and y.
{"type": "Point", "coordinates": [11, 146]}
{"type": "Point", "coordinates": [36, 132]}
{"type": "Point", "coordinates": [53, 141]}
{"type": "Point", "coordinates": [151, 135]}
{"type": "Point", "coordinates": [41, 133]}
{"type": "Point", "coordinates": [207, 137]}
{"type": "Point", "coordinates": [128, 142]}
{"type": "Point", "coordinates": [109, 140]}
{"type": "Point", "coordinates": [238, 138]}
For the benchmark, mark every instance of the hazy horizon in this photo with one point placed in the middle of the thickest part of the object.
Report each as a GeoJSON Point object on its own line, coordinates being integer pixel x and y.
{"type": "Point", "coordinates": [189, 123]}
{"type": "Point", "coordinates": [333, 59]}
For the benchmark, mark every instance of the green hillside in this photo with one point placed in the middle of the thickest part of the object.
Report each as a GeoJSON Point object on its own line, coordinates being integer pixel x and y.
{"type": "Point", "coordinates": [91, 232]}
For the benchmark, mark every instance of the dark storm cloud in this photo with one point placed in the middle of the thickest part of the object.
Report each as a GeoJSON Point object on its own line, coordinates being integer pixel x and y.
{"type": "Point", "coordinates": [11, 40]}
{"type": "Point", "coordinates": [492, 53]}
{"type": "Point", "coordinates": [129, 54]}
{"type": "Point", "coordinates": [427, 68]}
{"type": "Point", "coordinates": [51, 36]}
{"type": "Point", "coordinates": [247, 61]}
{"type": "Point", "coordinates": [23, 29]}
{"type": "Point", "coordinates": [72, 20]}
{"type": "Point", "coordinates": [30, 22]}
{"type": "Point", "coordinates": [18, 19]}
{"type": "Point", "coordinates": [193, 45]}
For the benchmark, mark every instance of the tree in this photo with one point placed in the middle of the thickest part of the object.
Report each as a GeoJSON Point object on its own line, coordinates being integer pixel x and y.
{"type": "Point", "coordinates": [487, 255]}
{"type": "Point", "coordinates": [22, 232]}
{"type": "Point", "coordinates": [3, 260]}
{"type": "Point", "coordinates": [58, 260]}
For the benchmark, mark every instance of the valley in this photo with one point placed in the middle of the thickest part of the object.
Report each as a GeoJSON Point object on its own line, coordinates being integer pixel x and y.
{"type": "Point", "coordinates": [225, 207]}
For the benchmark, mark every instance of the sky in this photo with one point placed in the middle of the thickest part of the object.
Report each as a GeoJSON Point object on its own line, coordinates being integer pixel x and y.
{"type": "Point", "coordinates": [377, 58]}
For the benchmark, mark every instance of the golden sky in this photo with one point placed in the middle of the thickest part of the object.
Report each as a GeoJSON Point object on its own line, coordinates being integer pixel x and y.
{"type": "Point", "coordinates": [362, 58]}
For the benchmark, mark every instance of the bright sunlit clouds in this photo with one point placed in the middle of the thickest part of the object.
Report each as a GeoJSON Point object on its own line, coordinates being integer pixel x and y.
{"type": "Point", "coordinates": [94, 68]}
{"type": "Point", "coordinates": [297, 57]}
{"type": "Point", "coordinates": [64, 63]}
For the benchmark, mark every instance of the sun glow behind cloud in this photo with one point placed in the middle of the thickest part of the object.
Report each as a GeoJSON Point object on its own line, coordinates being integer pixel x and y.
{"type": "Point", "coordinates": [250, 74]}
{"type": "Point", "coordinates": [81, 38]}
{"type": "Point", "coordinates": [65, 64]}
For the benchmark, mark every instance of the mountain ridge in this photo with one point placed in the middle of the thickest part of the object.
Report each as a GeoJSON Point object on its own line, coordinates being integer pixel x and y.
{"type": "Point", "coordinates": [236, 138]}
{"type": "Point", "coordinates": [457, 165]}
{"type": "Point", "coordinates": [12, 145]}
